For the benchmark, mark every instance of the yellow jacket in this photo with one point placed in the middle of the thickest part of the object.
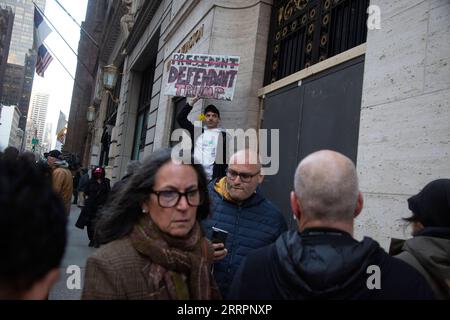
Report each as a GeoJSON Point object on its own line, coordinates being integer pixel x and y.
{"type": "Point", "coordinates": [63, 185]}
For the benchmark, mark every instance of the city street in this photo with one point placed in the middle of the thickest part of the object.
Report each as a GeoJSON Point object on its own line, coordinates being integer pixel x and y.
{"type": "Point", "coordinates": [311, 138]}
{"type": "Point", "coordinates": [77, 251]}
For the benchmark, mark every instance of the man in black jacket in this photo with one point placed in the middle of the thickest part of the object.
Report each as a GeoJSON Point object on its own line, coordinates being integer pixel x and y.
{"type": "Point", "coordinates": [322, 260]}
{"type": "Point", "coordinates": [210, 148]}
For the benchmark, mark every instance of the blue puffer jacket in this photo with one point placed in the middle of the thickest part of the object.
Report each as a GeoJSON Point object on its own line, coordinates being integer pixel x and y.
{"type": "Point", "coordinates": [254, 224]}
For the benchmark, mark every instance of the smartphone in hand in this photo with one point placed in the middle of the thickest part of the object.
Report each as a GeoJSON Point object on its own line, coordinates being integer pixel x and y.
{"type": "Point", "coordinates": [219, 235]}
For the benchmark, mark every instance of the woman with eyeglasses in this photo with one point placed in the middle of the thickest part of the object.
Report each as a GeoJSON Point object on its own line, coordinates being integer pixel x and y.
{"type": "Point", "coordinates": [153, 245]}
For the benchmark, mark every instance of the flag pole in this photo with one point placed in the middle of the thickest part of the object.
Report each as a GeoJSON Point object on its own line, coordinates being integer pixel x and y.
{"type": "Point", "coordinates": [75, 82]}
{"type": "Point", "coordinates": [42, 13]}
{"type": "Point", "coordinates": [54, 55]}
{"type": "Point", "coordinates": [81, 28]}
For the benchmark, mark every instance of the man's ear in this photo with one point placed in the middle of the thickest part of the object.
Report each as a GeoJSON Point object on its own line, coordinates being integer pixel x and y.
{"type": "Point", "coordinates": [295, 206]}
{"type": "Point", "coordinates": [359, 205]}
{"type": "Point", "coordinates": [260, 178]}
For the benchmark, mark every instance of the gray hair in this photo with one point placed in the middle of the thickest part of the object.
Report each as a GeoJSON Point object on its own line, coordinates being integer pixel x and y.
{"type": "Point", "coordinates": [132, 167]}
{"type": "Point", "coordinates": [119, 217]}
{"type": "Point", "coordinates": [326, 185]}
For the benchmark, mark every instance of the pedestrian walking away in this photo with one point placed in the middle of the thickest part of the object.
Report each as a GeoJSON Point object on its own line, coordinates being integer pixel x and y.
{"type": "Point", "coordinates": [96, 195]}
{"type": "Point", "coordinates": [321, 259]}
{"type": "Point", "coordinates": [61, 176]}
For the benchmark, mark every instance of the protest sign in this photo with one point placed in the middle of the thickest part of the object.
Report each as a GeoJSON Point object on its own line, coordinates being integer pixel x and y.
{"type": "Point", "coordinates": [203, 75]}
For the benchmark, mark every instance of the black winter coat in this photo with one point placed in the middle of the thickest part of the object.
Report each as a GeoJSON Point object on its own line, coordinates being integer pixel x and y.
{"type": "Point", "coordinates": [325, 264]}
{"type": "Point", "coordinates": [83, 183]}
{"type": "Point", "coordinates": [97, 194]}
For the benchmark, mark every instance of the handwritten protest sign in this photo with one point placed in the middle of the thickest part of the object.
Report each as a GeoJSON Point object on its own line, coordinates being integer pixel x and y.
{"type": "Point", "coordinates": [208, 76]}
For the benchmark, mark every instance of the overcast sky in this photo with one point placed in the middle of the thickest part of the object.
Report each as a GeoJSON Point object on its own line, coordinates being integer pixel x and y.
{"type": "Point", "coordinates": [57, 82]}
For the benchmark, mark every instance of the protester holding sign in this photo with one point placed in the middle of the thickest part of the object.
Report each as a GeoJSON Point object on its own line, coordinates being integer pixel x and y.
{"type": "Point", "coordinates": [210, 148]}
{"type": "Point", "coordinates": [206, 76]}
{"type": "Point", "coordinates": [211, 77]}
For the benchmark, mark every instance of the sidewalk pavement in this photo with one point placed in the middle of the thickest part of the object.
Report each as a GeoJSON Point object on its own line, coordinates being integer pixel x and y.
{"type": "Point", "coordinates": [77, 251]}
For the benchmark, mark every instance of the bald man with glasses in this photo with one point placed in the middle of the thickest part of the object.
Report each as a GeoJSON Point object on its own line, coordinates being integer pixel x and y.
{"type": "Point", "coordinates": [239, 208]}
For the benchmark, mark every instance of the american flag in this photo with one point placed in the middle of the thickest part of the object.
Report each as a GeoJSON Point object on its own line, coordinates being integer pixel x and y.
{"type": "Point", "coordinates": [43, 60]}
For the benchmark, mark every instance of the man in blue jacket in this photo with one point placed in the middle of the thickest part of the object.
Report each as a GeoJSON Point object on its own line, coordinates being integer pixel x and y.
{"type": "Point", "coordinates": [322, 260]}
{"type": "Point", "coordinates": [239, 208]}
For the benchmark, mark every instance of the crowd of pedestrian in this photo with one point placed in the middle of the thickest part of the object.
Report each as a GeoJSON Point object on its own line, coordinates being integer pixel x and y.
{"type": "Point", "coordinates": [171, 230]}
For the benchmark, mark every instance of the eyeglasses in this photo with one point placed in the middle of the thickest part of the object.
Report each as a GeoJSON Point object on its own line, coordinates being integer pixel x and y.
{"type": "Point", "coordinates": [245, 177]}
{"type": "Point", "coordinates": [170, 198]}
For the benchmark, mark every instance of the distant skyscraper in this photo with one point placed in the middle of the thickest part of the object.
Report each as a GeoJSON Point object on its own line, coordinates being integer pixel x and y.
{"type": "Point", "coordinates": [6, 25]}
{"type": "Point", "coordinates": [19, 71]}
{"type": "Point", "coordinates": [61, 131]}
{"type": "Point", "coordinates": [47, 140]}
{"type": "Point", "coordinates": [27, 86]}
{"type": "Point", "coordinates": [13, 85]}
{"type": "Point", "coordinates": [10, 134]}
{"type": "Point", "coordinates": [22, 35]}
{"type": "Point", "coordinates": [37, 118]}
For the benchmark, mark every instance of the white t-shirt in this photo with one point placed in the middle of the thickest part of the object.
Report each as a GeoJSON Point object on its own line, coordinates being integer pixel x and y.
{"type": "Point", "coordinates": [205, 149]}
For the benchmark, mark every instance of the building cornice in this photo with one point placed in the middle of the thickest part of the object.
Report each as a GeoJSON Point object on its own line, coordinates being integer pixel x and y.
{"type": "Point", "coordinates": [180, 16]}
{"type": "Point", "coordinates": [142, 21]}
{"type": "Point", "coordinates": [111, 29]}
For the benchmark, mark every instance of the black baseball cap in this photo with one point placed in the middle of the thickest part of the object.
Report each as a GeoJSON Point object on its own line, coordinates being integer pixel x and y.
{"type": "Point", "coordinates": [212, 108]}
{"type": "Point", "coordinates": [53, 153]}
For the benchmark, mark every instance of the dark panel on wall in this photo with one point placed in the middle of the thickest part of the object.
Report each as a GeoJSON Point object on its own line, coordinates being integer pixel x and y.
{"type": "Point", "coordinates": [322, 113]}
{"type": "Point", "coordinates": [282, 110]}
{"type": "Point", "coordinates": [331, 112]}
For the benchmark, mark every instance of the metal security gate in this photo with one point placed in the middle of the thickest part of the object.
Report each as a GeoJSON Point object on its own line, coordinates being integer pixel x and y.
{"type": "Point", "coordinates": [321, 113]}
{"type": "Point", "coordinates": [305, 32]}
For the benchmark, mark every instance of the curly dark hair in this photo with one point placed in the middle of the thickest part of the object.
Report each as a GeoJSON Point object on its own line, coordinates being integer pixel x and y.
{"type": "Point", "coordinates": [33, 226]}
{"type": "Point", "coordinates": [122, 212]}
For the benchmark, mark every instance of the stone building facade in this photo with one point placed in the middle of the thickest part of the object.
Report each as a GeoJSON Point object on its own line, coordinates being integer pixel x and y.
{"type": "Point", "coordinates": [404, 139]}
{"type": "Point", "coordinates": [85, 79]}
{"type": "Point", "coordinates": [379, 96]}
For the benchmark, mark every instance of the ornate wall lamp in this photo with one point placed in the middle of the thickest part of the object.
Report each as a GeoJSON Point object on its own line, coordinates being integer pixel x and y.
{"type": "Point", "coordinates": [110, 74]}
{"type": "Point", "coordinates": [90, 114]}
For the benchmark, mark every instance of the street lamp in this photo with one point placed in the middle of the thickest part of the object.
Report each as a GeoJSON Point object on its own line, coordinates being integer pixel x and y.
{"type": "Point", "coordinates": [90, 115]}
{"type": "Point", "coordinates": [110, 73]}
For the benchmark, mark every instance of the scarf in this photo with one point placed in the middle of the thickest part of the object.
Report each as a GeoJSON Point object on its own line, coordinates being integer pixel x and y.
{"type": "Point", "coordinates": [185, 262]}
{"type": "Point", "coordinates": [221, 187]}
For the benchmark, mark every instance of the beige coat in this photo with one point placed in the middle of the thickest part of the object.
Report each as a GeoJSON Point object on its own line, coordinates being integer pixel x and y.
{"type": "Point", "coordinates": [117, 271]}
{"type": "Point", "coordinates": [63, 185]}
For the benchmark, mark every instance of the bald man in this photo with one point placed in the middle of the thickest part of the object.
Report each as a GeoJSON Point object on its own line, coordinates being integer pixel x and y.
{"type": "Point", "coordinates": [239, 208]}
{"type": "Point", "coordinates": [322, 260]}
